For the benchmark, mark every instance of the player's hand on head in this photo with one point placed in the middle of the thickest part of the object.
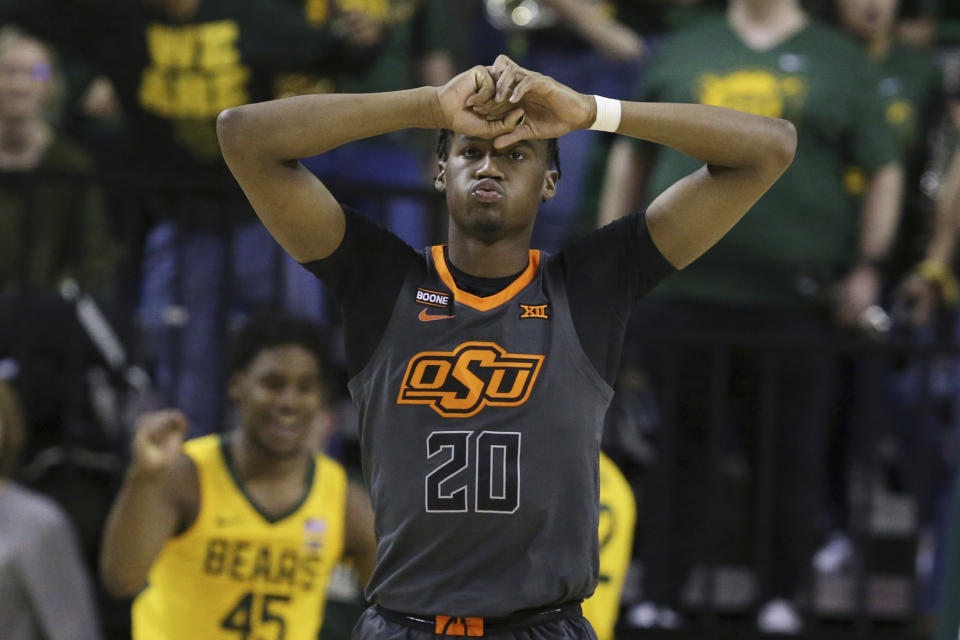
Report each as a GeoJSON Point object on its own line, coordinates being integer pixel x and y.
{"type": "Point", "coordinates": [550, 109]}
{"type": "Point", "coordinates": [457, 97]}
{"type": "Point", "coordinates": [158, 439]}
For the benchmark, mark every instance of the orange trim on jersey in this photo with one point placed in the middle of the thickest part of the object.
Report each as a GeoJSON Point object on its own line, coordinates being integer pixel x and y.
{"type": "Point", "coordinates": [490, 302]}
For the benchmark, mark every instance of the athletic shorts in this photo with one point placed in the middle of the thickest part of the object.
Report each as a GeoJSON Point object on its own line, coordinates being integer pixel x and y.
{"type": "Point", "coordinates": [564, 622]}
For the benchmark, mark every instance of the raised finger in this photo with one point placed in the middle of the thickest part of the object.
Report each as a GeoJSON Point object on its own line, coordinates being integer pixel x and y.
{"type": "Point", "coordinates": [501, 63]}
{"type": "Point", "coordinates": [506, 82]}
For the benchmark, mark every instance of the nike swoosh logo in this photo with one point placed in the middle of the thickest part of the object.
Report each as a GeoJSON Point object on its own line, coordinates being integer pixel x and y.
{"type": "Point", "coordinates": [426, 317]}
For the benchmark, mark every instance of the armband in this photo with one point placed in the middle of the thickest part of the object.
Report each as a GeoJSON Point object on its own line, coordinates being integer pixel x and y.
{"type": "Point", "coordinates": [608, 114]}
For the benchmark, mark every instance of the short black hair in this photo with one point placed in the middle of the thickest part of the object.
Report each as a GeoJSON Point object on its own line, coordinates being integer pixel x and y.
{"type": "Point", "coordinates": [553, 150]}
{"type": "Point", "coordinates": [270, 330]}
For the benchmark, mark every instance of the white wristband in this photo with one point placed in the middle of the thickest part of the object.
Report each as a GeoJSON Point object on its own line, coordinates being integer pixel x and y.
{"type": "Point", "coordinates": [608, 114]}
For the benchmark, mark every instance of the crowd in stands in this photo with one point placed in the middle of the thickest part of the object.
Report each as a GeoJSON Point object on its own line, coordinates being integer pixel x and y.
{"type": "Point", "coordinates": [806, 361]}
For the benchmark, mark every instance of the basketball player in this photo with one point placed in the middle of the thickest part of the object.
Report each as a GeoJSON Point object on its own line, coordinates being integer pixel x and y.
{"type": "Point", "coordinates": [482, 368]}
{"type": "Point", "coordinates": [233, 537]}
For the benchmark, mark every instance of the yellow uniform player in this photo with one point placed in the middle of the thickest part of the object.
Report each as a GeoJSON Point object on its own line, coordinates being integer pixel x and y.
{"type": "Point", "coordinates": [232, 537]}
{"type": "Point", "coordinates": [618, 516]}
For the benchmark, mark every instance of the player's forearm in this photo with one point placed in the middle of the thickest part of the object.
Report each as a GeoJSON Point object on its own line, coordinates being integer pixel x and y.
{"type": "Point", "coordinates": [880, 215]}
{"type": "Point", "coordinates": [140, 521]}
{"type": "Point", "coordinates": [715, 135]}
{"type": "Point", "coordinates": [292, 128]}
{"type": "Point", "coordinates": [946, 217]}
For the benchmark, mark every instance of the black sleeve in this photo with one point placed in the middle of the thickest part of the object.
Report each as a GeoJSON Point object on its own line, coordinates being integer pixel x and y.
{"type": "Point", "coordinates": [365, 274]}
{"type": "Point", "coordinates": [606, 272]}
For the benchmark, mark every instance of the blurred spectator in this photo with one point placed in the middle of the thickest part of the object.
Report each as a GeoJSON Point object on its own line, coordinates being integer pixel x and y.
{"type": "Point", "coordinates": [53, 235]}
{"type": "Point", "coordinates": [176, 64]}
{"type": "Point", "coordinates": [910, 87]}
{"type": "Point", "coordinates": [45, 592]}
{"type": "Point", "coordinates": [932, 283]}
{"type": "Point", "coordinates": [796, 264]}
{"type": "Point", "coordinates": [932, 288]}
{"type": "Point", "coordinates": [416, 50]}
{"type": "Point", "coordinates": [49, 231]}
{"type": "Point", "coordinates": [910, 91]}
{"type": "Point", "coordinates": [937, 22]}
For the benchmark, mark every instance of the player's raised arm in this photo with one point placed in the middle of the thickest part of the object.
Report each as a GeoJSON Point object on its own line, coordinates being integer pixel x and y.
{"type": "Point", "coordinates": [744, 154]}
{"type": "Point", "coordinates": [152, 504]}
{"type": "Point", "coordinates": [262, 143]}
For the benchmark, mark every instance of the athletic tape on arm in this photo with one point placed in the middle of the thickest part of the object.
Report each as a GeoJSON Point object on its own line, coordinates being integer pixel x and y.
{"type": "Point", "coordinates": [608, 114]}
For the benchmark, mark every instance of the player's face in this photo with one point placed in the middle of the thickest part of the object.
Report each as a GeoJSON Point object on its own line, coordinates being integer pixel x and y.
{"type": "Point", "coordinates": [278, 396]}
{"type": "Point", "coordinates": [868, 19]}
{"type": "Point", "coordinates": [25, 80]}
{"type": "Point", "coordinates": [495, 193]}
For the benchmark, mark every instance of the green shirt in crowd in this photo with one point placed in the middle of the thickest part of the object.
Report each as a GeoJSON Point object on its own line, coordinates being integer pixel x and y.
{"type": "Point", "coordinates": [802, 233]}
{"type": "Point", "coordinates": [173, 76]}
{"type": "Point", "coordinates": [61, 225]}
{"type": "Point", "coordinates": [910, 85]}
{"type": "Point", "coordinates": [412, 29]}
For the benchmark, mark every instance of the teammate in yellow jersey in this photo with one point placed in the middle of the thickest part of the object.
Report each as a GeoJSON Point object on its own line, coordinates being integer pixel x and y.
{"type": "Point", "coordinates": [232, 537]}
{"type": "Point", "coordinates": [618, 517]}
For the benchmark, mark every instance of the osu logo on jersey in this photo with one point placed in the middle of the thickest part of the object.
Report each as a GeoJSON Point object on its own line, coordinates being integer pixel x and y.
{"type": "Point", "coordinates": [459, 383]}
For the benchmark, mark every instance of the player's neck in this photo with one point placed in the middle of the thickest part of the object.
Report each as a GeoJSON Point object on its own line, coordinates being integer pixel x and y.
{"type": "Point", "coordinates": [252, 462]}
{"type": "Point", "coordinates": [765, 24]}
{"type": "Point", "coordinates": [499, 259]}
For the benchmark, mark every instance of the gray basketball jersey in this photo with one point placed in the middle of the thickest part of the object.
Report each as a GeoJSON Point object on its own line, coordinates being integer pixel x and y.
{"type": "Point", "coordinates": [480, 428]}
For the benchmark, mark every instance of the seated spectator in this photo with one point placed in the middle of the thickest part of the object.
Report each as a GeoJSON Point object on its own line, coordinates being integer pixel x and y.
{"type": "Point", "coordinates": [45, 591]}
{"type": "Point", "coordinates": [51, 233]}
{"type": "Point", "coordinates": [48, 232]}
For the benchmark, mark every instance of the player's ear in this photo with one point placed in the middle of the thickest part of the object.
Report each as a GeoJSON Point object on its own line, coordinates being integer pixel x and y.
{"type": "Point", "coordinates": [440, 182]}
{"type": "Point", "coordinates": [550, 184]}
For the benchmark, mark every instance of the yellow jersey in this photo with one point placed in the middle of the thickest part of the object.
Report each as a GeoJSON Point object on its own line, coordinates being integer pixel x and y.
{"type": "Point", "coordinates": [618, 516]}
{"type": "Point", "coordinates": [236, 574]}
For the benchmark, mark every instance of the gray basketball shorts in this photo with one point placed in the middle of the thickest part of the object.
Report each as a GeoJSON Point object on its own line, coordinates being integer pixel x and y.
{"type": "Point", "coordinates": [564, 622]}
